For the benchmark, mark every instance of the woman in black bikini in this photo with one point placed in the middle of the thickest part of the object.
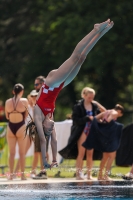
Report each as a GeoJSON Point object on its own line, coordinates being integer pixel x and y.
{"type": "Point", "coordinates": [15, 109]}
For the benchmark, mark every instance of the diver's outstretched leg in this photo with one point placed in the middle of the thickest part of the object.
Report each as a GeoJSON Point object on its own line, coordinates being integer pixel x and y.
{"type": "Point", "coordinates": [86, 40]}
{"type": "Point", "coordinates": [88, 48]}
{"type": "Point", "coordinates": [56, 77]}
{"type": "Point", "coordinates": [96, 38]}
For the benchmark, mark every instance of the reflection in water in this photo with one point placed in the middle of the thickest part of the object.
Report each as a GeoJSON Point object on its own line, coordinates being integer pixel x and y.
{"type": "Point", "coordinates": [98, 190]}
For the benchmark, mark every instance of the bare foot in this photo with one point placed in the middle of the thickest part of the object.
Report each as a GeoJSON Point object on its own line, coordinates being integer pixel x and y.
{"type": "Point", "coordinates": [79, 178]}
{"type": "Point", "coordinates": [107, 28]}
{"type": "Point", "coordinates": [15, 175]}
{"type": "Point", "coordinates": [10, 178]}
{"type": "Point", "coordinates": [79, 175]}
{"type": "Point", "coordinates": [100, 178]}
{"type": "Point", "coordinates": [127, 174]}
{"type": "Point", "coordinates": [90, 178]}
{"type": "Point", "coordinates": [101, 26]}
{"type": "Point", "coordinates": [23, 177]}
{"type": "Point", "coordinates": [107, 178]}
{"type": "Point", "coordinates": [100, 175]}
{"type": "Point", "coordinates": [33, 173]}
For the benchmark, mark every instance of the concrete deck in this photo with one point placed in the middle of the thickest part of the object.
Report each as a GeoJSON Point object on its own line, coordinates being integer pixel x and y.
{"type": "Point", "coordinates": [4, 181]}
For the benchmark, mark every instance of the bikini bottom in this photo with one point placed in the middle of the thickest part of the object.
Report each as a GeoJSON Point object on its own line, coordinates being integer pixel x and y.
{"type": "Point", "coordinates": [15, 126]}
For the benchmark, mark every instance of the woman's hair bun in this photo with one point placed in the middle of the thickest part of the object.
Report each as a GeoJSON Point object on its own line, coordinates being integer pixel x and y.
{"type": "Point", "coordinates": [18, 88]}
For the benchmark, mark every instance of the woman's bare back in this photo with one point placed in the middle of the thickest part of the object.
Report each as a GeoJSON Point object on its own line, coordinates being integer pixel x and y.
{"type": "Point", "coordinates": [16, 110]}
{"type": "Point", "coordinates": [107, 116]}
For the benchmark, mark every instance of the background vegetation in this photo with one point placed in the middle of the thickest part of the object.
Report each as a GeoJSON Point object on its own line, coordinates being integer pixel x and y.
{"type": "Point", "coordinates": [38, 36]}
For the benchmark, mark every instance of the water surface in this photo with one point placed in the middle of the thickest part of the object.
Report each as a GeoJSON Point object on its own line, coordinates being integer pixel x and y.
{"type": "Point", "coordinates": [121, 190]}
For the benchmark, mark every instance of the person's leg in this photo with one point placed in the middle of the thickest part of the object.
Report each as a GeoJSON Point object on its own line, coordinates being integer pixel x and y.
{"type": "Point", "coordinates": [54, 145]}
{"type": "Point", "coordinates": [96, 39]}
{"type": "Point", "coordinates": [11, 140]}
{"type": "Point", "coordinates": [88, 48]}
{"type": "Point", "coordinates": [131, 171]}
{"type": "Point", "coordinates": [81, 153]}
{"type": "Point", "coordinates": [22, 147]}
{"type": "Point", "coordinates": [102, 165]}
{"type": "Point", "coordinates": [28, 144]}
{"type": "Point", "coordinates": [35, 162]}
{"type": "Point", "coordinates": [42, 174]}
{"type": "Point", "coordinates": [56, 77]}
{"type": "Point", "coordinates": [111, 157]}
{"type": "Point", "coordinates": [37, 155]}
{"type": "Point", "coordinates": [130, 174]}
{"type": "Point", "coordinates": [47, 147]}
{"type": "Point", "coordinates": [17, 168]}
{"type": "Point", "coordinates": [89, 163]}
{"type": "Point", "coordinates": [38, 119]}
{"type": "Point", "coordinates": [41, 161]}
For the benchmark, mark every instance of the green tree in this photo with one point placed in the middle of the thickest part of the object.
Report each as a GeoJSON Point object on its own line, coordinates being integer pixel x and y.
{"type": "Point", "coordinates": [38, 36]}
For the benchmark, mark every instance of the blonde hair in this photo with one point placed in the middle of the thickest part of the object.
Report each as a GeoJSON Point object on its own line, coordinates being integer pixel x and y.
{"type": "Point", "coordinates": [87, 90]}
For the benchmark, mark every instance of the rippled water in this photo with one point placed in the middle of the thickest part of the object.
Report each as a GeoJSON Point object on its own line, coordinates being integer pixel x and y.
{"type": "Point", "coordinates": [68, 191]}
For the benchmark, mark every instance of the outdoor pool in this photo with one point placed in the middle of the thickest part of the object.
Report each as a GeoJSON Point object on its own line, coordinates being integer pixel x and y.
{"type": "Point", "coordinates": [117, 190]}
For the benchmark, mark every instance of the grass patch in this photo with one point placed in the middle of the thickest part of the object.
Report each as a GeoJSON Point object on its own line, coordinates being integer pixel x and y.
{"type": "Point", "coordinates": [65, 170]}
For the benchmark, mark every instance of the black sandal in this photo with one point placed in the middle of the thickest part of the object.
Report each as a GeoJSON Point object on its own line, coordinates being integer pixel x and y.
{"type": "Point", "coordinates": [128, 178]}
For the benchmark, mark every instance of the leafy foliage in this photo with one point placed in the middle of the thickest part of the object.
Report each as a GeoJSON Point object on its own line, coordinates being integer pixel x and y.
{"type": "Point", "coordinates": [38, 36]}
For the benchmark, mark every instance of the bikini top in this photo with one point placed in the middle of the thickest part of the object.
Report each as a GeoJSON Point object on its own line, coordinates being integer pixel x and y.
{"type": "Point", "coordinates": [15, 110]}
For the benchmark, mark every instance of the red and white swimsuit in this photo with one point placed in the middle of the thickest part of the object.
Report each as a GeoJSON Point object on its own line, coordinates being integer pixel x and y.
{"type": "Point", "coordinates": [47, 98]}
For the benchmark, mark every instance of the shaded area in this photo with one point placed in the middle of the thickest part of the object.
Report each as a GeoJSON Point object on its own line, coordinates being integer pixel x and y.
{"type": "Point", "coordinates": [124, 156]}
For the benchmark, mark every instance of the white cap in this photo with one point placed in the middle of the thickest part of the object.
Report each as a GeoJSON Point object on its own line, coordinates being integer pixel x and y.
{"type": "Point", "coordinates": [33, 93]}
